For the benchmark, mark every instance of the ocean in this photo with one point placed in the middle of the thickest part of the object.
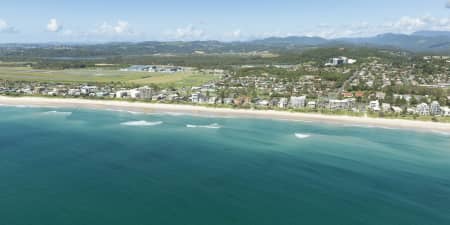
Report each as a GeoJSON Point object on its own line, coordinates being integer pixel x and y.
{"type": "Point", "coordinates": [75, 166]}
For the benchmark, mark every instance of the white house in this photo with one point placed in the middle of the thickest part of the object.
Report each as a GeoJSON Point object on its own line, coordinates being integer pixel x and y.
{"type": "Point", "coordinates": [445, 111]}
{"type": "Point", "coordinates": [198, 98]}
{"type": "Point", "coordinates": [386, 107]}
{"type": "Point", "coordinates": [423, 109]}
{"type": "Point", "coordinates": [397, 109]}
{"type": "Point", "coordinates": [85, 90]}
{"type": "Point", "coordinates": [312, 104]}
{"type": "Point", "coordinates": [374, 106]}
{"type": "Point", "coordinates": [121, 94]}
{"type": "Point", "coordinates": [134, 93]}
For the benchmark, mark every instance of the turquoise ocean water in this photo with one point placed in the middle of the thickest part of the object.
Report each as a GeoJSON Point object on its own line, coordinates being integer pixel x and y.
{"type": "Point", "coordinates": [73, 166]}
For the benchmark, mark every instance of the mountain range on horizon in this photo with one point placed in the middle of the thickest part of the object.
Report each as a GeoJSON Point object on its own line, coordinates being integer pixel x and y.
{"type": "Point", "coordinates": [420, 41]}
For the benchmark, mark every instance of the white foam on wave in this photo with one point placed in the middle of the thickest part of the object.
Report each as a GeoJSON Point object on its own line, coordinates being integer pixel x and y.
{"type": "Point", "coordinates": [210, 126]}
{"type": "Point", "coordinates": [22, 106]}
{"type": "Point", "coordinates": [141, 123]}
{"type": "Point", "coordinates": [58, 113]}
{"type": "Point", "coordinates": [370, 126]}
{"type": "Point", "coordinates": [174, 113]}
{"type": "Point", "coordinates": [125, 111]}
{"type": "Point", "coordinates": [302, 136]}
{"type": "Point", "coordinates": [442, 133]}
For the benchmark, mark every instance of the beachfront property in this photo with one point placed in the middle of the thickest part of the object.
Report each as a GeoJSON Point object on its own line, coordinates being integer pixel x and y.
{"type": "Point", "coordinates": [137, 93]}
{"type": "Point", "coordinates": [423, 109]}
{"type": "Point", "coordinates": [198, 98]}
{"type": "Point", "coordinates": [298, 102]}
{"type": "Point", "coordinates": [374, 106]}
{"type": "Point", "coordinates": [145, 92]}
{"type": "Point", "coordinates": [311, 104]}
{"type": "Point", "coordinates": [386, 107]}
{"type": "Point", "coordinates": [283, 103]}
{"type": "Point", "coordinates": [86, 90]}
{"type": "Point", "coordinates": [345, 104]}
{"type": "Point", "coordinates": [445, 111]}
{"type": "Point", "coordinates": [435, 108]}
{"type": "Point", "coordinates": [397, 109]}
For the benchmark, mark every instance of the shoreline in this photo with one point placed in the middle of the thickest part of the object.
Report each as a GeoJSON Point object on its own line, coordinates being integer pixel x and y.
{"type": "Point", "coordinates": [422, 126]}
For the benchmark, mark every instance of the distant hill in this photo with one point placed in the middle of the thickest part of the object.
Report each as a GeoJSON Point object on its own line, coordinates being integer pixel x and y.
{"type": "Point", "coordinates": [427, 33]}
{"type": "Point", "coordinates": [417, 42]}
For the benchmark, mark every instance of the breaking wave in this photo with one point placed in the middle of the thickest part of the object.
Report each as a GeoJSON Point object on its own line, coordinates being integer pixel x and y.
{"type": "Point", "coordinates": [57, 113]}
{"type": "Point", "coordinates": [302, 136]}
{"type": "Point", "coordinates": [210, 126]}
{"type": "Point", "coordinates": [141, 123]}
{"type": "Point", "coordinates": [125, 111]}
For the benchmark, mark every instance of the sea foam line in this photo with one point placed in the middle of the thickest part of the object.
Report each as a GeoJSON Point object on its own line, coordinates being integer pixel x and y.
{"type": "Point", "coordinates": [142, 123]}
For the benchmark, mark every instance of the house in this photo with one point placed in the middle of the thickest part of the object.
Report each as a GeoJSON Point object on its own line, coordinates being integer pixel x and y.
{"type": "Point", "coordinates": [312, 105]}
{"type": "Point", "coordinates": [158, 97]}
{"type": "Point", "coordinates": [374, 106]}
{"type": "Point", "coordinates": [411, 111]}
{"type": "Point", "coordinates": [423, 109]}
{"type": "Point", "coordinates": [198, 98]}
{"type": "Point", "coordinates": [380, 95]}
{"type": "Point", "coordinates": [212, 100]}
{"type": "Point", "coordinates": [386, 107]}
{"type": "Point", "coordinates": [283, 103]}
{"type": "Point", "coordinates": [298, 102]}
{"type": "Point", "coordinates": [86, 90]}
{"type": "Point", "coordinates": [397, 109]}
{"type": "Point", "coordinates": [173, 97]}
{"type": "Point", "coordinates": [101, 94]}
{"type": "Point", "coordinates": [347, 95]}
{"type": "Point", "coordinates": [359, 94]}
{"type": "Point", "coordinates": [228, 101]}
{"type": "Point", "coordinates": [74, 92]}
{"type": "Point", "coordinates": [445, 111]}
{"type": "Point", "coordinates": [263, 103]}
{"type": "Point", "coordinates": [121, 93]}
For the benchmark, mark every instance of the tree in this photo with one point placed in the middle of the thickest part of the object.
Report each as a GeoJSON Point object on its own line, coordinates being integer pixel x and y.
{"type": "Point", "coordinates": [413, 101]}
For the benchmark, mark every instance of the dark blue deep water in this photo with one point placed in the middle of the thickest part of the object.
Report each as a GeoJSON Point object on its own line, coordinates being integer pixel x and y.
{"type": "Point", "coordinates": [71, 166]}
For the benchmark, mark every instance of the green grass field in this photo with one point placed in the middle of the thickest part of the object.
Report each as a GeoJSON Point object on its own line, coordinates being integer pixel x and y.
{"type": "Point", "coordinates": [180, 79]}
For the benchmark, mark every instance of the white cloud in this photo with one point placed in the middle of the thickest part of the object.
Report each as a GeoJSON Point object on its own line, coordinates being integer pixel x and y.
{"type": "Point", "coordinates": [187, 33]}
{"type": "Point", "coordinates": [404, 25]}
{"type": "Point", "coordinates": [54, 26]}
{"type": "Point", "coordinates": [120, 28]}
{"type": "Point", "coordinates": [6, 28]}
{"type": "Point", "coordinates": [235, 35]}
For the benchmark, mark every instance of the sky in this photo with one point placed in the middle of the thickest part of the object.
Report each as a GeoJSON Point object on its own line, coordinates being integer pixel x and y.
{"type": "Point", "coordinates": [78, 21]}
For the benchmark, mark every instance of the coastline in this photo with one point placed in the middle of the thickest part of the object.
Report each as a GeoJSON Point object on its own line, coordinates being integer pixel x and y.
{"type": "Point", "coordinates": [421, 126]}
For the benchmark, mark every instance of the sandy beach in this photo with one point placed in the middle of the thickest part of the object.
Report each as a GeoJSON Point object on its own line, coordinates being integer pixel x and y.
{"type": "Point", "coordinates": [223, 112]}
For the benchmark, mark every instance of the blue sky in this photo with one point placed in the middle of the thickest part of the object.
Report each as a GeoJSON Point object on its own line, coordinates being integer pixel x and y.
{"type": "Point", "coordinates": [139, 20]}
